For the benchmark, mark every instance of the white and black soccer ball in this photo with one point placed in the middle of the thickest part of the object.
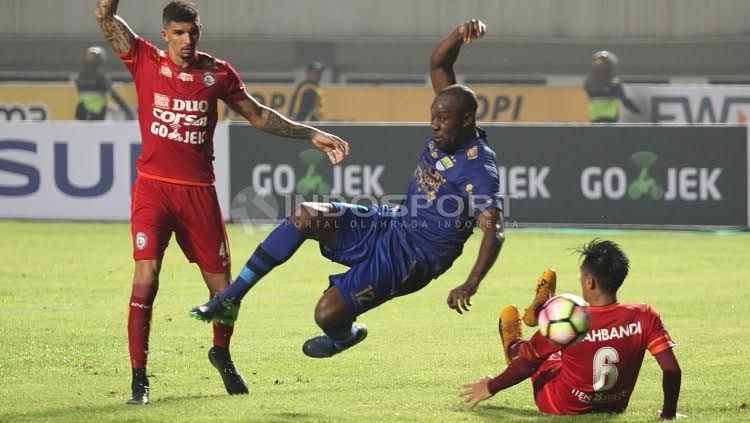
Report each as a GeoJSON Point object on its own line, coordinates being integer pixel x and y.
{"type": "Point", "coordinates": [564, 319]}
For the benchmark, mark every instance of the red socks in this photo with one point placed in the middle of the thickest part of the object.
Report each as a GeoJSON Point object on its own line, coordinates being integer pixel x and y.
{"type": "Point", "coordinates": [139, 323]}
{"type": "Point", "coordinates": [222, 334]}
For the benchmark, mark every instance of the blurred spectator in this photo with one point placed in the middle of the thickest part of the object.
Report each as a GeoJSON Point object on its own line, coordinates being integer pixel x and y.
{"type": "Point", "coordinates": [605, 90]}
{"type": "Point", "coordinates": [93, 87]}
{"type": "Point", "coordinates": [307, 101]}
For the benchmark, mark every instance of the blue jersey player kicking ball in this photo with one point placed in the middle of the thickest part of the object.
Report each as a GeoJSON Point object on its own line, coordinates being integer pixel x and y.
{"type": "Point", "coordinates": [392, 252]}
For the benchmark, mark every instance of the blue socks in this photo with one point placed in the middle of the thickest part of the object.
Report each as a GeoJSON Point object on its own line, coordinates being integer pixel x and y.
{"type": "Point", "coordinates": [277, 248]}
{"type": "Point", "coordinates": [237, 290]}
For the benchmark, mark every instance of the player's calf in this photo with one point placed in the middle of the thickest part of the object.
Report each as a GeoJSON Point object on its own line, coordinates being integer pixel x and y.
{"type": "Point", "coordinates": [545, 289]}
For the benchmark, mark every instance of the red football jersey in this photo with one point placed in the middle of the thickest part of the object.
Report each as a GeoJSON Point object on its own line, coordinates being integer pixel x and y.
{"type": "Point", "coordinates": [599, 373]}
{"type": "Point", "coordinates": [177, 111]}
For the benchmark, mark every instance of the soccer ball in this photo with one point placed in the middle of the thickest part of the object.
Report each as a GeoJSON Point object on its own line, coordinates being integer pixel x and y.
{"type": "Point", "coordinates": [564, 319]}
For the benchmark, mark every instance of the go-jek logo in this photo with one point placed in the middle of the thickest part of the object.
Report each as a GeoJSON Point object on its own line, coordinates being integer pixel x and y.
{"type": "Point", "coordinates": [312, 182]}
{"type": "Point", "coordinates": [276, 188]}
{"type": "Point", "coordinates": [645, 184]}
{"type": "Point", "coordinates": [347, 180]}
{"type": "Point", "coordinates": [682, 184]}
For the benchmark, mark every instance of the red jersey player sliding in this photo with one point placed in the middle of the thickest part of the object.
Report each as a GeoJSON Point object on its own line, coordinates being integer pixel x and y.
{"type": "Point", "coordinates": [599, 373]}
{"type": "Point", "coordinates": [178, 91]}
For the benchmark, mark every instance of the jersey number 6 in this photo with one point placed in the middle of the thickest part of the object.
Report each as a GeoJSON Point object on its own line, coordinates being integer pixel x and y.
{"type": "Point", "coordinates": [605, 372]}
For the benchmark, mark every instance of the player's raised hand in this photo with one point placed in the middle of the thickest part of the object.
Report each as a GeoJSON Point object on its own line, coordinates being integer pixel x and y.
{"type": "Point", "coordinates": [334, 147]}
{"type": "Point", "coordinates": [471, 30]}
{"type": "Point", "coordinates": [459, 298]}
{"type": "Point", "coordinates": [476, 392]}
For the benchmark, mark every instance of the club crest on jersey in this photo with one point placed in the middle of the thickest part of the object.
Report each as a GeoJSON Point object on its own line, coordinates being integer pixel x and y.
{"type": "Point", "coordinates": [185, 77]}
{"type": "Point", "coordinates": [166, 71]}
{"type": "Point", "coordinates": [141, 240]}
{"type": "Point", "coordinates": [209, 79]}
{"type": "Point", "coordinates": [444, 163]}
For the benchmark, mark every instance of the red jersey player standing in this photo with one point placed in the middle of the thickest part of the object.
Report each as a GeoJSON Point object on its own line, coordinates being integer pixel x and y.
{"type": "Point", "coordinates": [178, 91]}
{"type": "Point", "coordinates": [599, 373]}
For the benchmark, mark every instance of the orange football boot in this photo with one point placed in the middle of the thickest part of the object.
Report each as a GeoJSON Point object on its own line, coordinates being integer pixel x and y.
{"type": "Point", "coordinates": [510, 328]}
{"type": "Point", "coordinates": [545, 289]}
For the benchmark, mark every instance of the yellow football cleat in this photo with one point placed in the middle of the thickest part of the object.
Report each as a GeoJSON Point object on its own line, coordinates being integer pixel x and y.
{"type": "Point", "coordinates": [510, 328]}
{"type": "Point", "coordinates": [545, 289]}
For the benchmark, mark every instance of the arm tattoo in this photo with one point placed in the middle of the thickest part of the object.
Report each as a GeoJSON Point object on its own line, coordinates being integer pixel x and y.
{"type": "Point", "coordinates": [283, 127]}
{"type": "Point", "coordinates": [115, 30]}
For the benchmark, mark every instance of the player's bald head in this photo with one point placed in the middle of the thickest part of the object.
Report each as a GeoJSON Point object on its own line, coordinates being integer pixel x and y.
{"type": "Point", "coordinates": [453, 117]}
{"type": "Point", "coordinates": [461, 97]}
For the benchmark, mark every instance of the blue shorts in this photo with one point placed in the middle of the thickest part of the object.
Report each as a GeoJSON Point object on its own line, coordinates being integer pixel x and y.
{"type": "Point", "coordinates": [381, 264]}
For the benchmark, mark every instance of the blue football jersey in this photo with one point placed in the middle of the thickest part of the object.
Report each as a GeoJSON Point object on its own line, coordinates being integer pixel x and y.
{"type": "Point", "coordinates": [445, 195]}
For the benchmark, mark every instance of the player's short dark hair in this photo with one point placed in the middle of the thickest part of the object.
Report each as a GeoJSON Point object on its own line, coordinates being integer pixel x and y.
{"type": "Point", "coordinates": [606, 261]}
{"type": "Point", "coordinates": [464, 96]}
{"type": "Point", "coordinates": [180, 11]}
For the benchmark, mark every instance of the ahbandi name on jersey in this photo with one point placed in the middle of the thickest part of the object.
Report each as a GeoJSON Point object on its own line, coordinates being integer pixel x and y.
{"type": "Point", "coordinates": [605, 334]}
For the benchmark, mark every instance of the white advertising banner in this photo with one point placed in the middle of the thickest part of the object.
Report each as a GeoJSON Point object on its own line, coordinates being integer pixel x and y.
{"type": "Point", "coordinates": [683, 103]}
{"type": "Point", "coordinates": [80, 171]}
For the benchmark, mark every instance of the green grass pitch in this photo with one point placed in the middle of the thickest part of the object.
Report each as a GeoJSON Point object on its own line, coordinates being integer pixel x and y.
{"type": "Point", "coordinates": [63, 357]}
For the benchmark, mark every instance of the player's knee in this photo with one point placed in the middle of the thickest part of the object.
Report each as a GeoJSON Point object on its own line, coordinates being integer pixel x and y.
{"type": "Point", "coordinates": [147, 272]}
{"type": "Point", "coordinates": [331, 312]}
{"type": "Point", "coordinates": [305, 218]}
{"type": "Point", "coordinates": [300, 217]}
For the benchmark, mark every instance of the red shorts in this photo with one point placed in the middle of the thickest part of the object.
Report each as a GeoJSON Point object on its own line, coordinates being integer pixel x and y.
{"type": "Point", "coordinates": [191, 212]}
{"type": "Point", "coordinates": [544, 382]}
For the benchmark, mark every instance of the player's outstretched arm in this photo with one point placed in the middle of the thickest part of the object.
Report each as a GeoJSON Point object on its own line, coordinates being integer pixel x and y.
{"type": "Point", "coordinates": [518, 371]}
{"type": "Point", "coordinates": [671, 380]}
{"type": "Point", "coordinates": [115, 30]}
{"type": "Point", "coordinates": [269, 120]}
{"type": "Point", "coordinates": [446, 52]}
{"type": "Point", "coordinates": [491, 223]}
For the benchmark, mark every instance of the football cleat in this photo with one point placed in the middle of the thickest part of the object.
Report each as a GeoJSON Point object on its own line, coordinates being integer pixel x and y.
{"type": "Point", "coordinates": [510, 328]}
{"type": "Point", "coordinates": [139, 388]}
{"type": "Point", "coordinates": [545, 289]}
{"type": "Point", "coordinates": [324, 346]}
{"type": "Point", "coordinates": [217, 310]}
{"type": "Point", "coordinates": [222, 361]}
